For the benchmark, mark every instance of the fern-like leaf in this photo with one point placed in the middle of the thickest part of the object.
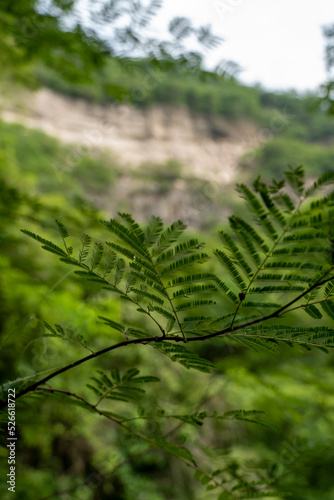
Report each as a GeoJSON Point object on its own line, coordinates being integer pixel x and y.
{"type": "Point", "coordinates": [153, 230]}
{"type": "Point", "coordinates": [134, 227]}
{"type": "Point", "coordinates": [46, 244]}
{"type": "Point", "coordinates": [109, 263]}
{"type": "Point", "coordinates": [97, 255]}
{"type": "Point", "coordinates": [83, 252]}
{"type": "Point", "coordinates": [168, 237]}
{"type": "Point", "coordinates": [180, 264]}
{"type": "Point", "coordinates": [188, 247]}
{"type": "Point", "coordinates": [143, 294]}
{"type": "Point", "coordinates": [183, 356]}
{"type": "Point", "coordinates": [64, 234]}
{"type": "Point", "coordinates": [127, 236]}
{"type": "Point", "coordinates": [325, 179]}
{"type": "Point", "coordinates": [119, 271]}
{"type": "Point", "coordinates": [231, 268]}
{"type": "Point", "coordinates": [65, 334]}
{"type": "Point", "coordinates": [295, 177]}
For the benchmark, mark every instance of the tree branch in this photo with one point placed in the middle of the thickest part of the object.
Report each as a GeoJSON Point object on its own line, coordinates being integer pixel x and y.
{"type": "Point", "coordinates": [34, 386]}
{"type": "Point", "coordinates": [139, 435]}
{"type": "Point", "coordinates": [147, 340]}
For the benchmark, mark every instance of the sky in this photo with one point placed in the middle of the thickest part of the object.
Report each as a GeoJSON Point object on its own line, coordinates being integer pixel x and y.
{"type": "Point", "coordinates": [278, 43]}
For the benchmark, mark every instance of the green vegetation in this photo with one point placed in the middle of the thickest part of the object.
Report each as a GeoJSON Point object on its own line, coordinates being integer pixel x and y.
{"type": "Point", "coordinates": [293, 128]}
{"type": "Point", "coordinates": [43, 164]}
{"type": "Point", "coordinates": [144, 86]}
{"type": "Point", "coordinates": [111, 402]}
{"type": "Point", "coordinates": [285, 113]}
{"type": "Point", "coordinates": [285, 456]}
{"type": "Point", "coordinates": [270, 159]}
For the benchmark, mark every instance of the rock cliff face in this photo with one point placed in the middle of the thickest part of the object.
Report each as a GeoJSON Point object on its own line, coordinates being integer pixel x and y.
{"type": "Point", "coordinates": [210, 147]}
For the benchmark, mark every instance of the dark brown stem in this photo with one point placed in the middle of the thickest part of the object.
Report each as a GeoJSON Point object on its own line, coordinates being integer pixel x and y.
{"type": "Point", "coordinates": [33, 386]}
{"type": "Point", "coordinates": [275, 314]}
{"type": "Point", "coordinates": [147, 340]}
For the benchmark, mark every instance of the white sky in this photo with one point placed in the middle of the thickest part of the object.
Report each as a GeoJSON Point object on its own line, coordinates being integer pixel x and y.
{"type": "Point", "coordinates": [278, 43]}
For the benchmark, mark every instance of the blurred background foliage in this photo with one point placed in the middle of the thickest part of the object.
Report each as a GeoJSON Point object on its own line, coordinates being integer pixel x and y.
{"type": "Point", "coordinates": [60, 447]}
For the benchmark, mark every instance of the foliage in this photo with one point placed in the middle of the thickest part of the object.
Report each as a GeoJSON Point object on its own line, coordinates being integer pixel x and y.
{"type": "Point", "coordinates": [145, 84]}
{"type": "Point", "coordinates": [26, 32]}
{"type": "Point", "coordinates": [289, 114]}
{"type": "Point", "coordinates": [276, 267]}
{"type": "Point", "coordinates": [67, 39]}
{"type": "Point", "coordinates": [274, 154]}
{"type": "Point", "coordinates": [132, 434]}
{"type": "Point", "coordinates": [42, 160]}
{"type": "Point", "coordinates": [327, 98]}
{"type": "Point", "coordinates": [299, 131]}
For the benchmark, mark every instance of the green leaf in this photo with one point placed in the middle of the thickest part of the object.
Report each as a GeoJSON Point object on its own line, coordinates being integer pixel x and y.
{"type": "Point", "coordinates": [194, 289]}
{"type": "Point", "coordinates": [134, 332]}
{"type": "Point", "coordinates": [247, 233]}
{"type": "Point", "coordinates": [325, 179]}
{"type": "Point", "coordinates": [142, 294]}
{"type": "Point", "coordinates": [47, 245]}
{"type": "Point", "coordinates": [198, 474]}
{"type": "Point", "coordinates": [141, 276]}
{"type": "Point", "coordinates": [168, 237]}
{"type": "Point", "coordinates": [259, 305]}
{"type": "Point", "coordinates": [180, 264]}
{"type": "Point", "coordinates": [64, 234]}
{"type": "Point", "coordinates": [328, 308]}
{"type": "Point", "coordinates": [186, 306]}
{"type": "Point", "coordinates": [62, 230]}
{"type": "Point", "coordinates": [173, 449]}
{"type": "Point", "coordinates": [256, 344]}
{"type": "Point", "coordinates": [236, 253]}
{"type": "Point", "coordinates": [83, 252]}
{"type": "Point", "coordinates": [224, 288]}
{"type": "Point", "coordinates": [153, 230]}
{"type": "Point", "coordinates": [229, 266]}
{"type": "Point", "coordinates": [113, 324]}
{"type": "Point", "coordinates": [65, 334]}
{"type": "Point", "coordinates": [295, 177]}
{"type": "Point", "coordinates": [313, 311]}
{"type": "Point", "coordinates": [147, 270]}
{"type": "Point", "coordinates": [122, 250]}
{"type": "Point", "coordinates": [168, 315]}
{"type": "Point", "coordinates": [109, 263]}
{"type": "Point", "coordinates": [276, 289]}
{"type": "Point", "coordinates": [261, 215]}
{"type": "Point", "coordinates": [96, 255]}
{"type": "Point", "coordinates": [269, 202]}
{"type": "Point", "coordinates": [127, 236]}
{"type": "Point", "coordinates": [134, 227]}
{"type": "Point", "coordinates": [190, 278]}
{"type": "Point", "coordinates": [119, 271]}
{"type": "Point", "coordinates": [183, 356]}
{"type": "Point", "coordinates": [187, 247]}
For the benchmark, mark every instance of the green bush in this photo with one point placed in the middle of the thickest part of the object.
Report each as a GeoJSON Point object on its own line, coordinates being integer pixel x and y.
{"type": "Point", "coordinates": [272, 158]}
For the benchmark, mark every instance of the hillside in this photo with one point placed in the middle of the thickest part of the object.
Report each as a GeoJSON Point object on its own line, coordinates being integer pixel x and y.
{"type": "Point", "coordinates": [188, 158]}
{"type": "Point", "coordinates": [209, 146]}
{"type": "Point", "coordinates": [180, 147]}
